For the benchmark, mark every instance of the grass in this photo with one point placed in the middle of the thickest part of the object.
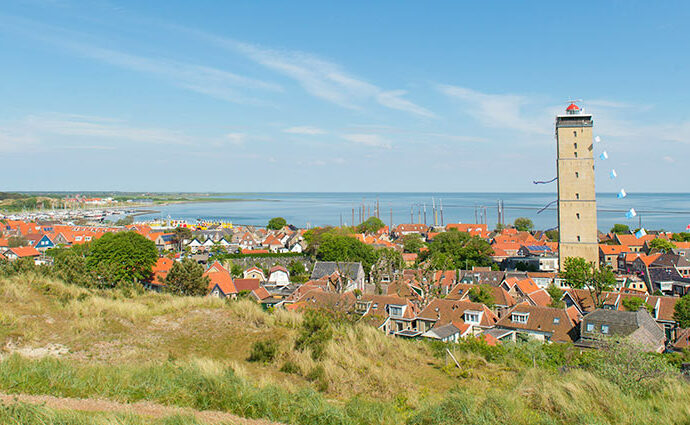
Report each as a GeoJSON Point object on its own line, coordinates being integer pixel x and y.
{"type": "Point", "coordinates": [29, 414]}
{"type": "Point", "coordinates": [192, 352]}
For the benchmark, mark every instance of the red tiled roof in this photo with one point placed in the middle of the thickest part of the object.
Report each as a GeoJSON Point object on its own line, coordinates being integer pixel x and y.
{"type": "Point", "coordinates": [25, 251]}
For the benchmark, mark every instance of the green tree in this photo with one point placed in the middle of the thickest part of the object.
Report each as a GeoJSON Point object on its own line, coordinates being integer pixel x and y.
{"type": "Point", "coordinates": [388, 262]}
{"type": "Point", "coordinates": [635, 303]}
{"type": "Point", "coordinates": [276, 223]}
{"type": "Point", "coordinates": [481, 294]}
{"type": "Point", "coordinates": [298, 273]}
{"type": "Point", "coordinates": [371, 225]}
{"type": "Point", "coordinates": [413, 243]}
{"type": "Point", "coordinates": [681, 237]}
{"type": "Point", "coordinates": [553, 235]}
{"type": "Point", "coordinates": [180, 234]}
{"type": "Point", "coordinates": [69, 264]}
{"type": "Point", "coordinates": [187, 278]}
{"type": "Point", "coordinates": [336, 247]}
{"type": "Point", "coordinates": [661, 245]}
{"type": "Point", "coordinates": [580, 274]}
{"type": "Point", "coordinates": [464, 250]}
{"type": "Point", "coordinates": [122, 257]}
{"type": "Point", "coordinates": [523, 224]}
{"type": "Point", "coordinates": [556, 294]}
{"type": "Point", "coordinates": [236, 270]}
{"type": "Point", "coordinates": [620, 229]}
{"type": "Point", "coordinates": [681, 312]}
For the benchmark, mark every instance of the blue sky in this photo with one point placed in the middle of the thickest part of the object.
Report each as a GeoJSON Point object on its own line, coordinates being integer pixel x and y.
{"type": "Point", "coordinates": [337, 96]}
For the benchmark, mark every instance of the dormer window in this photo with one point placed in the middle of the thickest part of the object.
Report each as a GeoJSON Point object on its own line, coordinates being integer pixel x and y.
{"type": "Point", "coordinates": [472, 317]}
{"type": "Point", "coordinates": [556, 320]}
{"type": "Point", "coordinates": [519, 318]}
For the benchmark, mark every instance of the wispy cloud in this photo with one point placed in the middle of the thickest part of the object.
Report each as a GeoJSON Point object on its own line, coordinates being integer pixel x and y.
{"type": "Point", "coordinates": [210, 81]}
{"type": "Point", "coordinates": [236, 139]}
{"type": "Point", "coordinates": [373, 140]}
{"type": "Point", "coordinates": [98, 127]}
{"type": "Point", "coordinates": [393, 99]}
{"type": "Point", "coordinates": [306, 130]}
{"type": "Point", "coordinates": [319, 77]}
{"type": "Point", "coordinates": [497, 110]}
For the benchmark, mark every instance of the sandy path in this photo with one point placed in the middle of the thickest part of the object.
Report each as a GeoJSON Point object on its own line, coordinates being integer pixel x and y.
{"type": "Point", "coordinates": [140, 408]}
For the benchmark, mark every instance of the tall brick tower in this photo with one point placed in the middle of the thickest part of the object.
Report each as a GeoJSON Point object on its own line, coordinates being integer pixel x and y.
{"type": "Point", "coordinates": [577, 207]}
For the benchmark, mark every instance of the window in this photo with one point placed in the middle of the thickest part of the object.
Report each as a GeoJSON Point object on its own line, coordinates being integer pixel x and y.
{"type": "Point", "coordinates": [578, 238]}
{"type": "Point", "coordinates": [375, 306]}
{"type": "Point", "coordinates": [575, 154]}
{"type": "Point", "coordinates": [519, 317]}
{"type": "Point", "coordinates": [605, 329]}
{"type": "Point", "coordinates": [575, 145]}
{"type": "Point", "coordinates": [396, 310]}
{"type": "Point", "coordinates": [471, 317]}
{"type": "Point", "coordinates": [556, 320]}
{"type": "Point", "coordinates": [574, 133]}
{"type": "Point", "coordinates": [577, 175]}
{"type": "Point", "coordinates": [577, 215]}
{"type": "Point", "coordinates": [577, 196]}
{"type": "Point", "coordinates": [590, 327]}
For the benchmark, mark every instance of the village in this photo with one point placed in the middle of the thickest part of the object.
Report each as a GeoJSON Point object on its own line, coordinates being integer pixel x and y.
{"type": "Point", "coordinates": [513, 288]}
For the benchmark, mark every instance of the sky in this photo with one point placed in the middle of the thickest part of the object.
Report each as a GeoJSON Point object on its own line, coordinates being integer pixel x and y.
{"type": "Point", "coordinates": [386, 96]}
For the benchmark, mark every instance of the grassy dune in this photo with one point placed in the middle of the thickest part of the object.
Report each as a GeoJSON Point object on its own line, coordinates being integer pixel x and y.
{"type": "Point", "coordinates": [192, 352]}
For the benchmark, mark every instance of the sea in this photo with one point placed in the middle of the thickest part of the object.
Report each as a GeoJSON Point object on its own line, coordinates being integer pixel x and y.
{"type": "Point", "coordinates": [654, 211]}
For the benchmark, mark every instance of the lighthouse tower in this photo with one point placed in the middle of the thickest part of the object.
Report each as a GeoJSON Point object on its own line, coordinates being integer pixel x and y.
{"type": "Point", "coordinates": [577, 208]}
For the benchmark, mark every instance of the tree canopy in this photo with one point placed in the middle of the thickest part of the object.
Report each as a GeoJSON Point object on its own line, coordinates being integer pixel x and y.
{"type": "Point", "coordinates": [187, 278]}
{"type": "Point", "coordinates": [681, 237]}
{"type": "Point", "coordinates": [523, 224]}
{"type": "Point", "coordinates": [681, 312]}
{"type": "Point", "coordinates": [580, 274]}
{"type": "Point", "coordinates": [371, 225]}
{"type": "Point", "coordinates": [620, 229]}
{"type": "Point", "coordinates": [482, 294]}
{"type": "Point", "coordinates": [335, 247]}
{"type": "Point", "coordinates": [122, 257]}
{"type": "Point", "coordinates": [412, 243]}
{"type": "Point", "coordinates": [661, 245]}
{"type": "Point", "coordinates": [636, 303]}
{"type": "Point", "coordinates": [276, 223]}
{"type": "Point", "coordinates": [460, 250]}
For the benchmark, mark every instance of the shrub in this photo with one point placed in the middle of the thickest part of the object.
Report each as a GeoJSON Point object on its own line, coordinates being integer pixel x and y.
{"type": "Point", "coordinates": [316, 331]}
{"type": "Point", "coordinates": [263, 351]}
{"type": "Point", "coordinates": [290, 367]}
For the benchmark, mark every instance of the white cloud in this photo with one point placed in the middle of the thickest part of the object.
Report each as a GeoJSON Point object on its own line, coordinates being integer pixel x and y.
{"type": "Point", "coordinates": [80, 125]}
{"type": "Point", "coordinates": [236, 139]}
{"type": "Point", "coordinates": [669, 159]}
{"type": "Point", "coordinates": [373, 140]}
{"type": "Point", "coordinates": [498, 110]}
{"type": "Point", "coordinates": [393, 99]}
{"type": "Point", "coordinates": [306, 130]}
{"type": "Point", "coordinates": [320, 78]}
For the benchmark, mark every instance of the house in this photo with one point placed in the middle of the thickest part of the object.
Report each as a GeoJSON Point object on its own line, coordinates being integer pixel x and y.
{"type": "Point", "coordinates": [159, 272]}
{"type": "Point", "coordinates": [165, 241]}
{"type": "Point", "coordinates": [278, 276]}
{"type": "Point", "coordinates": [479, 230]}
{"type": "Point", "coordinates": [668, 281]}
{"type": "Point", "coordinates": [544, 324]}
{"type": "Point", "coordinates": [441, 312]}
{"type": "Point", "coordinates": [409, 258]}
{"type": "Point", "coordinates": [481, 277]}
{"type": "Point", "coordinates": [254, 273]}
{"type": "Point", "coordinates": [637, 326]}
{"type": "Point", "coordinates": [608, 255]}
{"type": "Point", "coordinates": [682, 342]}
{"type": "Point", "coordinates": [451, 332]}
{"type": "Point", "coordinates": [393, 315]}
{"type": "Point", "coordinates": [352, 272]}
{"type": "Point", "coordinates": [272, 243]}
{"type": "Point", "coordinates": [248, 285]}
{"type": "Point", "coordinates": [220, 282]}
{"type": "Point", "coordinates": [408, 229]}
{"type": "Point", "coordinates": [634, 243]}
{"type": "Point", "coordinates": [195, 245]}
{"type": "Point", "coordinates": [13, 254]}
{"type": "Point", "coordinates": [44, 243]}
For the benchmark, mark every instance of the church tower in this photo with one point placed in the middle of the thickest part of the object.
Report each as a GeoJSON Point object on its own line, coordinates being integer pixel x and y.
{"type": "Point", "coordinates": [577, 208]}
